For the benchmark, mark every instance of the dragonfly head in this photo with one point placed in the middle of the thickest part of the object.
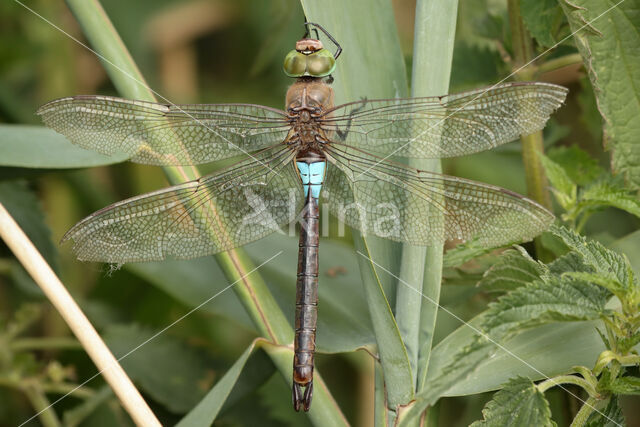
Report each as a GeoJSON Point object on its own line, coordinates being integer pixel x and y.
{"type": "Point", "coordinates": [310, 58]}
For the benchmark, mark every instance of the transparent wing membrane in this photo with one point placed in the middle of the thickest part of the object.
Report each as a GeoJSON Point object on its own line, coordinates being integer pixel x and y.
{"type": "Point", "coordinates": [215, 213]}
{"type": "Point", "coordinates": [159, 134]}
{"type": "Point", "coordinates": [445, 126]}
{"type": "Point", "coordinates": [422, 208]}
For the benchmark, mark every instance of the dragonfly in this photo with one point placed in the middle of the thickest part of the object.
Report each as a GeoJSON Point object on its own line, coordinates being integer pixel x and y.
{"type": "Point", "coordinates": [311, 152]}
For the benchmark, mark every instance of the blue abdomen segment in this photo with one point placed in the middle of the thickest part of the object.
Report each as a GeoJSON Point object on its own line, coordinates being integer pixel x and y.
{"type": "Point", "coordinates": [312, 176]}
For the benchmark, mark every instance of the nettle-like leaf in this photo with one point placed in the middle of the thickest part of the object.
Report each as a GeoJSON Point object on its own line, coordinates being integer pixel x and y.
{"type": "Point", "coordinates": [519, 403]}
{"type": "Point", "coordinates": [541, 17]}
{"type": "Point", "coordinates": [515, 268]}
{"type": "Point", "coordinates": [624, 385]}
{"type": "Point", "coordinates": [606, 193]}
{"type": "Point", "coordinates": [608, 38]}
{"type": "Point", "coordinates": [564, 189]}
{"type": "Point", "coordinates": [611, 416]}
{"type": "Point", "coordinates": [604, 261]}
{"type": "Point", "coordinates": [555, 299]}
{"type": "Point", "coordinates": [577, 164]}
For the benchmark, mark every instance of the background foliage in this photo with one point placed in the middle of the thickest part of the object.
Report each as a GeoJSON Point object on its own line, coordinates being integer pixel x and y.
{"type": "Point", "coordinates": [553, 315]}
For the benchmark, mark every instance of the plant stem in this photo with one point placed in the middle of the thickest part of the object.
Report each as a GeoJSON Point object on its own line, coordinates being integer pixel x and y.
{"type": "Point", "coordinates": [567, 379]}
{"type": "Point", "coordinates": [41, 405]}
{"type": "Point", "coordinates": [557, 63]}
{"type": "Point", "coordinates": [583, 414]}
{"type": "Point", "coordinates": [536, 179]}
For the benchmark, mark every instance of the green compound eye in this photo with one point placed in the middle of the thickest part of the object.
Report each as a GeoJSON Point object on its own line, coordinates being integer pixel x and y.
{"type": "Point", "coordinates": [295, 64]}
{"type": "Point", "coordinates": [320, 63]}
{"type": "Point", "coordinates": [316, 64]}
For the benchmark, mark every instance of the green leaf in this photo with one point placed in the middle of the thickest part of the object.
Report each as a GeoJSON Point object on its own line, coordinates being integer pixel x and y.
{"type": "Point", "coordinates": [79, 413]}
{"type": "Point", "coordinates": [625, 385]}
{"type": "Point", "coordinates": [43, 148]}
{"type": "Point", "coordinates": [519, 403]}
{"type": "Point", "coordinates": [604, 194]}
{"type": "Point", "coordinates": [25, 208]}
{"type": "Point", "coordinates": [513, 269]}
{"type": "Point", "coordinates": [577, 164]}
{"type": "Point", "coordinates": [564, 189]}
{"type": "Point", "coordinates": [604, 261]}
{"type": "Point", "coordinates": [608, 283]}
{"type": "Point", "coordinates": [473, 66]}
{"type": "Point", "coordinates": [611, 416]}
{"type": "Point", "coordinates": [540, 18]}
{"type": "Point", "coordinates": [163, 366]}
{"type": "Point", "coordinates": [610, 49]}
{"type": "Point", "coordinates": [553, 300]}
{"type": "Point", "coordinates": [208, 408]}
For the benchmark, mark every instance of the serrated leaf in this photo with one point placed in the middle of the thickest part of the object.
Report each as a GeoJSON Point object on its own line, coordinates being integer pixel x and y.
{"type": "Point", "coordinates": [607, 34]}
{"type": "Point", "coordinates": [540, 17]}
{"type": "Point", "coordinates": [604, 261]}
{"type": "Point", "coordinates": [42, 148]}
{"type": "Point", "coordinates": [608, 283]}
{"type": "Point", "coordinates": [611, 416]}
{"type": "Point", "coordinates": [519, 403]}
{"type": "Point", "coordinates": [625, 385]}
{"type": "Point", "coordinates": [166, 368]}
{"type": "Point", "coordinates": [604, 194]}
{"type": "Point", "coordinates": [568, 262]}
{"type": "Point", "coordinates": [565, 189]}
{"type": "Point", "coordinates": [513, 269]}
{"type": "Point", "coordinates": [578, 164]}
{"type": "Point", "coordinates": [556, 299]}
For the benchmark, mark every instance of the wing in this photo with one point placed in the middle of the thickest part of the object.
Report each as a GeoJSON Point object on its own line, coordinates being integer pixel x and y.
{"type": "Point", "coordinates": [445, 126]}
{"type": "Point", "coordinates": [422, 208]}
{"type": "Point", "coordinates": [160, 134]}
{"type": "Point", "coordinates": [215, 213]}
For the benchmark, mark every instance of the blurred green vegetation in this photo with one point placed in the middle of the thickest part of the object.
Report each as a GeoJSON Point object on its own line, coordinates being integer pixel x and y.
{"type": "Point", "coordinates": [221, 51]}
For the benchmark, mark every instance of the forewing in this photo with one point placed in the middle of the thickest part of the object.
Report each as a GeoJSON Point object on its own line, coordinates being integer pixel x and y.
{"type": "Point", "coordinates": [445, 126]}
{"type": "Point", "coordinates": [216, 213]}
{"type": "Point", "coordinates": [423, 208]}
{"type": "Point", "coordinates": [160, 134]}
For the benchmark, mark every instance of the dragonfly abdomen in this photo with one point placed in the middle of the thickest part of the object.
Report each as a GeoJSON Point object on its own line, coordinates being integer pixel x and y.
{"type": "Point", "coordinates": [312, 176]}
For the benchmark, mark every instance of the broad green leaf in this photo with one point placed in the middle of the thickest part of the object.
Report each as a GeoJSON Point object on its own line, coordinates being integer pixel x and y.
{"type": "Point", "coordinates": [25, 208]}
{"type": "Point", "coordinates": [513, 269]}
{"type": "Point", "coordinates": [43, 148]}
{"type": "Point", "coordinates": [576, 163]}
{"type": "Point", "coordinates": [607, 34]}
{"type": "Point", "coordinates": [164, 367]}
{"type": "Point", "coordinates": [553, 300]}
{"type": "Point", "coordinates": [601, 259]}
{"type": "Point", "coordinates": [565, 189]}
{"type": "Point", "coordinates": [208, 408]}
{"type": "Point", "coordinates": [604, 194]}
{"type": "Point", "coordinates": [192, 282]}
{"type": "Point", "coordinates": [519, 403]}
{"type": "Point", "coordinates": [541, 18]}
{"type": "Point", "coordinates": [611, 416]}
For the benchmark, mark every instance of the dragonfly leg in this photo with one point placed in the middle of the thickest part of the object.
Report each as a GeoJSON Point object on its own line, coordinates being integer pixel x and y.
{"type": "Point", "coordinates": [302, 399]}
{"type": "Point", "coordinates": [342, 134]}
